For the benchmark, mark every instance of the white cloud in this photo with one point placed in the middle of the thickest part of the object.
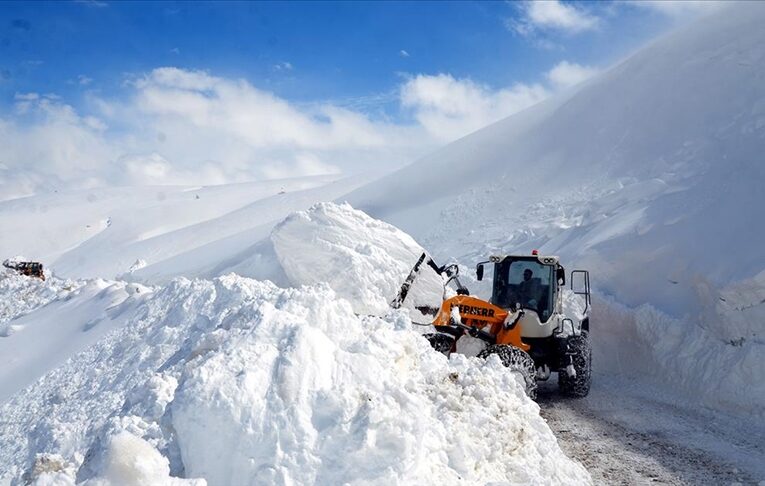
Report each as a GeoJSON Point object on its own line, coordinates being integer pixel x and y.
{"type": "Point", "coordinates": [449, 108]}
{"type": "Point", "coordinates": [55, 147]}
{"type": "Point", "coordinates": [176, 126]}
{"type": "Point", "coordinates": [283, 66]}
{"type": "Point", "coordinates": [680, 8]}
{"type": "Point", "coordinates": [84, 80]}
{"type": "Point", "coordinates": [259, 119]}
{"type": "Point", "coordinates": [566, 74]}
{"type": "Point", "coordinates": [26, 96]}
{"type": "Point", "coordinates": [403, 53]}
{"type": "Point", "coordinates": [552, 15]}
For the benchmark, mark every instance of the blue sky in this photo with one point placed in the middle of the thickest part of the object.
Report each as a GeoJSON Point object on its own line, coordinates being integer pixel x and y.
{"type": "Point", "coordinates": [373, 84]}
{"type": "Point", "coordinates": [335, 50]}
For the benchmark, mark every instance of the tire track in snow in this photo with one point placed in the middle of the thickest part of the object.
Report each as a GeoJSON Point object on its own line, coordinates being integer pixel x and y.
{"type": "Point", "coordinates": [624, 435]}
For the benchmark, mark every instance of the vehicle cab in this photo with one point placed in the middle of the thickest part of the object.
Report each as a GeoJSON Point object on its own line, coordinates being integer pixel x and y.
{"type": "Point", "coordinates": [535, 282]}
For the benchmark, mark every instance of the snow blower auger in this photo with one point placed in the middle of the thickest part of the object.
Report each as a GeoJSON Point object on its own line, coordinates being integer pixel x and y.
{"type": "Point", "coordinates": [523, 323]}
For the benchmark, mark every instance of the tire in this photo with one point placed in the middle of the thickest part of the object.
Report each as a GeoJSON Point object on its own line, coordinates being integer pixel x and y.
{"type": "Point", "coordinates": [440, 342]}
{"type": "Point", "coordinates": [518, 361]}
{"type": "Point", "coordinates": [579, 385]}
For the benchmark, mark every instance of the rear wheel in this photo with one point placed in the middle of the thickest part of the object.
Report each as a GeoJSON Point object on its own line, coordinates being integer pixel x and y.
{"type": "Point", "coordinates": [577, 386]}
{"type": "Point", "coordinates": [440, 342]}
{"type": "Point", "coordinates": [518, 361]}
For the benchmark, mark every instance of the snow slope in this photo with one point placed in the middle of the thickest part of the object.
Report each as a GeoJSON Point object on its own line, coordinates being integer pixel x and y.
{"type": "Point", "coordinates": [47, 322]}
{"type": "Point", "coordinates": [651, 176]}
{"type": "Point", "coordinates": [238, 381]}
{"type": "Point", "coordinates": [192, 231]}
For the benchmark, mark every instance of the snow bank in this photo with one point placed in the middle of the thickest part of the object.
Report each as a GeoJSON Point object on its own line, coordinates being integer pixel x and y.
{"type": "Point", "coordinates": [715, 358]}
{"type": "Point", "coordinates": [364, 260]}
{"type": "Point", "coordinates": [240, 382]}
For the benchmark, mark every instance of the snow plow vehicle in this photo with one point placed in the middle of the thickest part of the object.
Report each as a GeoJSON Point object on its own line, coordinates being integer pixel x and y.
{"type": "Point", "coordinates": [30, 269]}
{"type": "Point", "coordinates": [524, 323]}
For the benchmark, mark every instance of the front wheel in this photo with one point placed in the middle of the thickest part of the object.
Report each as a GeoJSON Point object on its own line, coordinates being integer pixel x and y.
{"type": "Point", "coordinates": [440, 342]}
{"type": "Point", "coordinates": [518, 361]}
{"type": "Point", "coordinates": [577, 386]}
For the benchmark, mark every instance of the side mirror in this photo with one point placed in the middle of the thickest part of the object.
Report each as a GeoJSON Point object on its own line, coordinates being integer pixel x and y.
{"type": "Point", "coordinates": [479, 272]}
{"type": "Point", "coordinates": [560, 274]}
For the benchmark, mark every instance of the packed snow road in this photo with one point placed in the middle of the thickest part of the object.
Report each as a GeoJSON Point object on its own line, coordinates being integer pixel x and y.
{"type": "Point", "coordinates": [623, 433]}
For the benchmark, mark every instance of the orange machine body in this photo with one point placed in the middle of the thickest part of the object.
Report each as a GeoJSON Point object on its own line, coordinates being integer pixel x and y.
{"type": "Point", "coordinates": [479, 314]}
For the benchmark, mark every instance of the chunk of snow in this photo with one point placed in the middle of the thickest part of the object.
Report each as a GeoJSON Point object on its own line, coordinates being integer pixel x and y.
{"type": "Point", "coordinates": [131, 461]}
{"type": "Point", "coordinates": [362, 259]}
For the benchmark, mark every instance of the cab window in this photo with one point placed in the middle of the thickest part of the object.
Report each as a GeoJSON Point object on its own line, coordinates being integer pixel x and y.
{"type": "Point", "coordinates": [526, 282]}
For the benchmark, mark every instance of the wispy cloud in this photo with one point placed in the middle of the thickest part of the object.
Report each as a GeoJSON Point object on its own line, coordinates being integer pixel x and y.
{"type": "Point", "coordinates": [283, 66]}
{"type": "Point", "coordinates": [449, 108]}
{"type": "Point", "coordinates": [403, 53]}
{"type": "Point", "coordinates": [552, 15]}
{"type": "Point", "coordinates": [566, 74]}
{"type": "Point", "coordinates": [680, 8]}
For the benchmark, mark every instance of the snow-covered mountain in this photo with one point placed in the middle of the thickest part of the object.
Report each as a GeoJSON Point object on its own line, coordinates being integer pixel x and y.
{"type": "Point", "coordinates": [650, 175]}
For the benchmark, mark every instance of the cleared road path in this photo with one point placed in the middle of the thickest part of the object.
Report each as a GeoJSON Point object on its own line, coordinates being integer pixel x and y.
{"type": "Point", "coordinates": [625, 433]}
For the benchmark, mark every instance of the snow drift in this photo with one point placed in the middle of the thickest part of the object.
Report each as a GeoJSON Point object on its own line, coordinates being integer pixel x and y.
{"type": "Point", "coordinates": [649, 174]}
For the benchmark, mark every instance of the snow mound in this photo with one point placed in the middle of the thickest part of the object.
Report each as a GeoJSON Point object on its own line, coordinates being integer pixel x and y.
{"type": "Point", "coordinates": [22, 294]}
{"type": "Point", "coordinates": [237, 381]}
{"type": "Point", "coordinates": [364, 260]}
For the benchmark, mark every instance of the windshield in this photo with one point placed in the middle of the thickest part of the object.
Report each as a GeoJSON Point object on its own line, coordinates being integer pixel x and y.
{"type": "Point", "coordinates": [527, 282]}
